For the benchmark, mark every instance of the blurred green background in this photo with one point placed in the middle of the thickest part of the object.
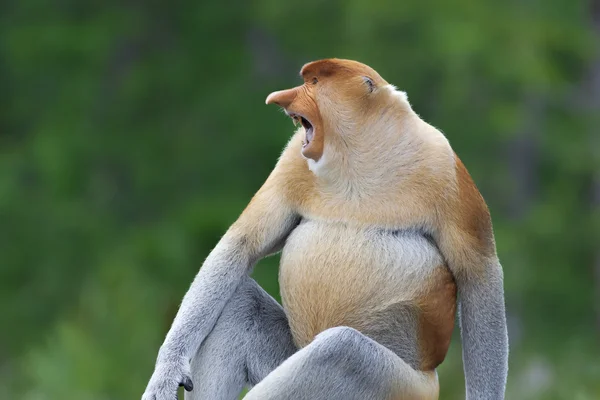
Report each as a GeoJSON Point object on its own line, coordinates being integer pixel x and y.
{"type": "Point", "coordinates": [132, 134]}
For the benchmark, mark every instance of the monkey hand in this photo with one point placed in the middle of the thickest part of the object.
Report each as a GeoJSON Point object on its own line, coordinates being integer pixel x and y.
{"type": "Point", "coordinates": [165, 380]}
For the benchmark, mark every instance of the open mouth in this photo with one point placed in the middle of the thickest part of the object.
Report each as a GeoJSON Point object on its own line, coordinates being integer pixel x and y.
{"type": "Point", "coordinates": [299, 119]}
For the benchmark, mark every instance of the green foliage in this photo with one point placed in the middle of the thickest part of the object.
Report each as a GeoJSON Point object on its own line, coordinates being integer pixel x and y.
{"type": "Point", "coordinates": [132, 135]}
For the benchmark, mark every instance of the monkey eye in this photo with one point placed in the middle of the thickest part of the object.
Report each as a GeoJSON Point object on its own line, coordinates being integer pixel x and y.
{"type": "Point", "coordinates": [369, 83]}
{"type": "Point", "coordinates": [315, 80]}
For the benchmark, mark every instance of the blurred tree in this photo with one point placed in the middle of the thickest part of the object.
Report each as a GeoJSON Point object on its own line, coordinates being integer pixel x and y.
{"type": "Point", "coordinates": [132, 134]}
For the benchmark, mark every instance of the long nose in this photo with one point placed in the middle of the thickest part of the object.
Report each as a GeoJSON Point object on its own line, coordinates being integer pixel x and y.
{"type": "Point", "coordinates": [282, 98]}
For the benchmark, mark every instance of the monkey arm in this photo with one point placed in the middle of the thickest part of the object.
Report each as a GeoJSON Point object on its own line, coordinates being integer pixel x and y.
{"type": "Point", "coordinates": [483, 332]}
{"type": "Point", "coordinates": [263, 225]}
{"type": "Point", "coordinates": [466, 239]}
{"type": "Point", "coordinates": [479, 280]}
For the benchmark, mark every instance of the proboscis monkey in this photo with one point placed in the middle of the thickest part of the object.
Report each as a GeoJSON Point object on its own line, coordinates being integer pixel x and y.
{"type": "Point", "coordinates": [380, 227]}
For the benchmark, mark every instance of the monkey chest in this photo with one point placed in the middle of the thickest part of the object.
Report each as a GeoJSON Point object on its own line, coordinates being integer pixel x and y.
{"type": "Point", "coordinates": [332, 274]}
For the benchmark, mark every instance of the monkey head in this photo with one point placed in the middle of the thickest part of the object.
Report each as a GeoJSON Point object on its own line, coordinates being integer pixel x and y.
{"type": "Point", "coordinates": [337, 96]}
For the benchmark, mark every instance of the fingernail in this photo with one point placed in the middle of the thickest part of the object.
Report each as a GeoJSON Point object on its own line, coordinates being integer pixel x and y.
{"type": "Point", "coordinates": [188, 384]}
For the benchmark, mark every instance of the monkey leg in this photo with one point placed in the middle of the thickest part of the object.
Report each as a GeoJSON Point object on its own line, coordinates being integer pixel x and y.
{"type": "Point", "coordinates": [341, 363]}
{"type": "Point", "coordinates": [250, 339]}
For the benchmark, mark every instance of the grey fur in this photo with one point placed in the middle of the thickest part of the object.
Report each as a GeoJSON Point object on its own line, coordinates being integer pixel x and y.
{"type": "Point", "coordinates": [250, 339]}
{"type": "Point", "coordinates": [200, 308]}
{"type": "Point", "coordinates": [223, 270]}
{"type": "Point", "coordinates": [251, 344]}
{"type": "Point", "coordinates": [340, 364]}
{"type": "Point", "coordinates": [484, 334]}
{"type": "Point", "coordinates": [396, 328]}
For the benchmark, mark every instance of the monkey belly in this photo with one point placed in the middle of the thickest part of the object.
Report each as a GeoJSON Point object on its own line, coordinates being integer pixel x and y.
{"type": "Point", "coordinates": [392, 286]}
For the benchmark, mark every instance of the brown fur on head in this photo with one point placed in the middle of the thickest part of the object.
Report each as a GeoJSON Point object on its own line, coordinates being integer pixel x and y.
{"type": "Point", "coordinates": [334, 93]}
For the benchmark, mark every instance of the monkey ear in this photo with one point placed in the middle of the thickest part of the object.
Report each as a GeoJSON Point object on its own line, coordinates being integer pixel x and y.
{"type": "Point", "coordinates": [369, 82]}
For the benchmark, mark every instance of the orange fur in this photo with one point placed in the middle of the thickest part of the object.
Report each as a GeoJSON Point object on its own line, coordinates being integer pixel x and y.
{"type": "Point", "coordinates": [436, 321]}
